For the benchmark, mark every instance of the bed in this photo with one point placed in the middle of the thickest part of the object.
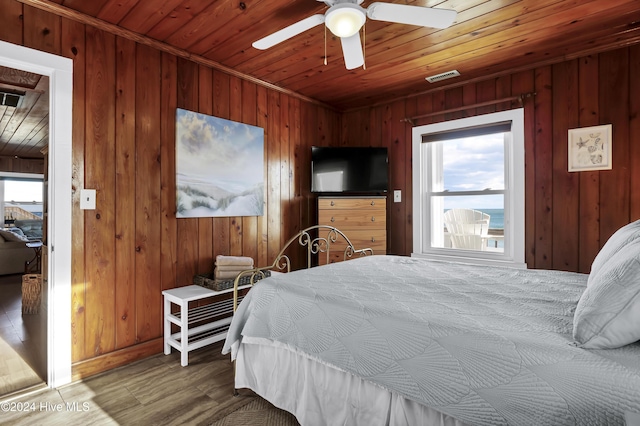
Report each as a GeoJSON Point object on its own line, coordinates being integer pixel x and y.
{"type": "Point", "coordinates": [397, 340]}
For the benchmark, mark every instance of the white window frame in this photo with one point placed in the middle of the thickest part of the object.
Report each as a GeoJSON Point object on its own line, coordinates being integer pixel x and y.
{"type": "Point", "coordinates": [513, 254]}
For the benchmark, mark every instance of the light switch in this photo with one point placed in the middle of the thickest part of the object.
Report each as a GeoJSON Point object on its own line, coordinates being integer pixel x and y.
{"type": "Point", "coordinates": [397, 196]}
{"type": "Point", "coordinates": [88, 199]}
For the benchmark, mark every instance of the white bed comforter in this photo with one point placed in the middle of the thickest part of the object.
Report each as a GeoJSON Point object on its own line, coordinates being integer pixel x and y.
{"type": "Point", "coordinates": [486, 345]}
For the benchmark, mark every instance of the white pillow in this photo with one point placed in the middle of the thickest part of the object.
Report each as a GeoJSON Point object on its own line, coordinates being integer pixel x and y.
{"type": "Point", "coordinates": [608, 312]}
{"type": "Point", "coordinates": [619, 239]}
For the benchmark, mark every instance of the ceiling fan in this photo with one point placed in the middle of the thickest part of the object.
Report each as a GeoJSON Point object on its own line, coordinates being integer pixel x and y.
{"type": "Point", "coordinates": [344, 18]}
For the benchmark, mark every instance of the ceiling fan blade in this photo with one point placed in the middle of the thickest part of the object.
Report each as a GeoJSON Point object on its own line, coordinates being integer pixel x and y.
{"type": "Point", "coordinates": [411, 15]}
{"type": "Point", "coordinates": [288, 32]}
{"type": "Point", "coordinates": [352, 51]}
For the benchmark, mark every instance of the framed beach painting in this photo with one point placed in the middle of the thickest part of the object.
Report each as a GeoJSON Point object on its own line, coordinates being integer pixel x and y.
{"type": "Point", "coordinates": [219, 167]}
{"type": "Point", "coordinates": [590, 148]}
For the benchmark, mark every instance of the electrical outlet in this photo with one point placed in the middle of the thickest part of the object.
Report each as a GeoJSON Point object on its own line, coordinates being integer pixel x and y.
{"type": "Point", "coordinates": [397, 196]}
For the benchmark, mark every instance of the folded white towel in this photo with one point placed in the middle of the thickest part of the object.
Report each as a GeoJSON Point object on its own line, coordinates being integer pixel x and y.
{"type": "Point", "coordinates": [225, 275]}
{"type": "Point", "coordinates": [233, 260]}
{"type": "Point", "coordinates": [237, 268]}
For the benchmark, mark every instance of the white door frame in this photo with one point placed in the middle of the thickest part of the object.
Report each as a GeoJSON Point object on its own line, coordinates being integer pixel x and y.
{"type": "Point", "coordinates": [60, 73]}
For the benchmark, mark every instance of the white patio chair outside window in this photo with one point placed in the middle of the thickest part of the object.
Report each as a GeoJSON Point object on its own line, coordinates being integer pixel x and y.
{"type": "Point", "coordinates": [467, 228]}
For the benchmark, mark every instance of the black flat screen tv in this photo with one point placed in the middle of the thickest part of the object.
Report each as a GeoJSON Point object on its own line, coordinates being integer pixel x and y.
{"type": "Point", "coordinates": [353, 170]}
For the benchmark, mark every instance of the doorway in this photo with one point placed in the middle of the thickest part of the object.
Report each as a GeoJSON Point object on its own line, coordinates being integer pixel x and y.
{"type": "Point", "coordinates": [23, 326]}
{"type": "Point", "coordinates": [57, 272]}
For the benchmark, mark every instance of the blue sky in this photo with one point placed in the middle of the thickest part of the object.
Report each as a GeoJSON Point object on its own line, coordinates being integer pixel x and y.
{"type": "Point", "coordinates": [472, 164]}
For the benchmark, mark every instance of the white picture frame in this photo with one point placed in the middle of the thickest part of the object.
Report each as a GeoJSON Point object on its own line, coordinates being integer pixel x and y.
{"type": "Point", "coordinates": [590, 148]}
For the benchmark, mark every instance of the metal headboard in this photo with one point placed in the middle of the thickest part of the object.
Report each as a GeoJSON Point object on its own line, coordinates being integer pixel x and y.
{"type": "Point", "coordinates": [316, 239]}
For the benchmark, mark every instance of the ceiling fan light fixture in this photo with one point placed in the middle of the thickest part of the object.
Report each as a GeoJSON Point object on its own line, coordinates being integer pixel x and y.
{"type": "Point", "coordinates": [345, 19]}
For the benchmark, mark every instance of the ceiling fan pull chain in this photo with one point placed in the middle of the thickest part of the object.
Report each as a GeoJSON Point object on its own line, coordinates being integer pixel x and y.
{"type": "Point", "coordinates": [325, 45]}
{"type": "Point", "coordinates": [364, 46]}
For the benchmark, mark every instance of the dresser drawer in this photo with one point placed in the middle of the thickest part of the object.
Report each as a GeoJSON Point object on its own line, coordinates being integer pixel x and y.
{"type": "Point", "coordinates": [367, 238]}
{"type": "Point", "coordinates": [337, 256]}
{"type": "Point", "coordinates": [348, 219]}
{"type": "Point", "coordinates": [380, 247]}
{"type": "Point", "coordinates": [375, 240]}
{"type": "Point", "coordinates": [351, 203]}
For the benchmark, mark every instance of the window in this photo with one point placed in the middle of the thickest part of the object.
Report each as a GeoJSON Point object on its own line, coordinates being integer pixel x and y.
{"type": "Point", "coordinates": [20, 196]}
{"type": "Point", "coordinates": [468, 186]}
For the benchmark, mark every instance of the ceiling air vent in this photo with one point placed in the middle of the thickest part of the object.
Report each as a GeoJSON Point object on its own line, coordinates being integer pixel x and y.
{"type": "Point", "coordinates": [443, 76]}
{"type": "Point", "coordinates": [10, 99]}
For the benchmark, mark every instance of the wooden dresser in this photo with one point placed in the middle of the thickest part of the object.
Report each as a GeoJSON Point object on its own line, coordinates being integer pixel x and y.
{"type": "Point", "coordinates": [362, 219]}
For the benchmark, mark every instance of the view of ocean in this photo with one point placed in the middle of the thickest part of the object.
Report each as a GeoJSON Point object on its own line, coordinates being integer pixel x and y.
{"type": "Point", "coordinates": [496, 220]}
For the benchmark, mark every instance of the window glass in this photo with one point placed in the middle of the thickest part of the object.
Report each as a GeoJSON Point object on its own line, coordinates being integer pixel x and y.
{"type": "Point", "coordinates": [491, 205]}
{"type": "Point", "coordinates": [474, 163]}
{"type": "Point", "coordinates": [22, 199]}
{"type": "Point", "coordinates": [467, 169]}
{"type": "Point", "coordinates": [22, 191]}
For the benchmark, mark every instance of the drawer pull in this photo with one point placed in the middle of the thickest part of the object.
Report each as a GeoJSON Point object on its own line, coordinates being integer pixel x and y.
{"type": "Point", "coordinates": [373, 240]}
{"type": "Point", "coordinates": [373, 203]}
{"type": "Point", "coordinates": [373, 218]}
{"type": "Point", "coordinates": [333, 219]}
{"type": "Point", "coordinates": [332, 203]}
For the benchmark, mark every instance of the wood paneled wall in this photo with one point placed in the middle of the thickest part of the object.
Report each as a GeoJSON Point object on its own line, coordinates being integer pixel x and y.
{"type": "Point", "coordinates": [569, 216]}
{"type": "Point", "coordinates": [132, 246]}
{"type": "Point", "coordinates": [21, 165]}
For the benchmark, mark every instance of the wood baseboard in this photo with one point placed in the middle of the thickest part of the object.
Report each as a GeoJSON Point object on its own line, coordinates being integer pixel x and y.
{"type": "Point", "coordinates": [99, 364]}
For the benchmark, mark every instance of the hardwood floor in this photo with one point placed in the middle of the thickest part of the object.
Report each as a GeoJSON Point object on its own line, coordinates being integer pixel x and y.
{"type": "Point", "coordinates": [21, 339]}
{"type": "Point", "coordinates": [153, 391]}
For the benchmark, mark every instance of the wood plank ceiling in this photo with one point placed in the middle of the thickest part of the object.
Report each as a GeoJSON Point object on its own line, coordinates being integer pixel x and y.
{"type": "Point", "coordinates": [488, 37]}
{"type": "Point", "coordinates": [24, 113]}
